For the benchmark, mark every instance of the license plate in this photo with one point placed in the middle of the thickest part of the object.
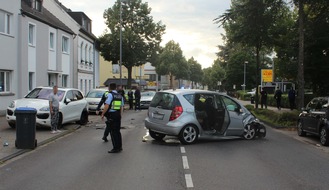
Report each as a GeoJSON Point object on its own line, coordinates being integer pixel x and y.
{"type": "Point", "coordinates": [158, 116]}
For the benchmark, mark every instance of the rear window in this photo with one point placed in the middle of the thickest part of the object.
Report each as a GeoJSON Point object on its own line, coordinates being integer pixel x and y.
{"type": "Point", "coordinates": [164, 101]}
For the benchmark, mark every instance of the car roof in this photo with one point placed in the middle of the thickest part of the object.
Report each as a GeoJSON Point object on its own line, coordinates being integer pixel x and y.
{"type": "Point", "coordinates": [189, 91]}
{"type": "Point", "coordinates": [59, 88]}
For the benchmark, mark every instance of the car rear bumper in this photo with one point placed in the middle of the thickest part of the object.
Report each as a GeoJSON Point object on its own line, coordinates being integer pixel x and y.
{"type": "Point", "coordinates": [171, 128]}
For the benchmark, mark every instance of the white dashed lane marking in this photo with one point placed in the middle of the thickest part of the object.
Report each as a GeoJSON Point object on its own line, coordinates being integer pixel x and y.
{"type": "Point", "coordinates": [182, 150]}
{"type": "Point", "coordinates": [188, 177]}
{"type": "Point", "coordinates": [185, 163]}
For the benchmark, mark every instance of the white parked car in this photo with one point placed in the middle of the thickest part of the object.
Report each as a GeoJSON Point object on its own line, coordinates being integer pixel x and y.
{"type": "Point", "coordinates": [146, 98]}
{"type": "Point", "coordinates": [93, 97]}
{"type": "Point", "coordinates": [73, 107]}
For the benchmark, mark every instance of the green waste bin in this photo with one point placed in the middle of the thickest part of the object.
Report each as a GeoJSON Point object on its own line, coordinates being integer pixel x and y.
{"type": "Point", "coordinates": [25, 128]}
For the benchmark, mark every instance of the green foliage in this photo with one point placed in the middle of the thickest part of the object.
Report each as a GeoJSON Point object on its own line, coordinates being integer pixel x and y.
{"type": "Point", "coordinates": [277, 119]}
{"type": "Point", "coordinates": [141, 36]}
{"type": "Point", "coordinates": [172, 62]}
{"type": "Point", "coordinates": [195, 72]}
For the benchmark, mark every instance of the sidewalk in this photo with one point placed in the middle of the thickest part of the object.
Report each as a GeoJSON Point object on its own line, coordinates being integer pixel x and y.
{"type": "Point", "coordinates": [268, 107]}
{"type": "Point", "coordinates": [43, 136]}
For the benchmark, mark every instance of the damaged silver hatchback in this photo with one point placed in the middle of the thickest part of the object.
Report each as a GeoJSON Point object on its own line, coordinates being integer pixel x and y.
{"type": "Point", "coordinates": [194, 114]}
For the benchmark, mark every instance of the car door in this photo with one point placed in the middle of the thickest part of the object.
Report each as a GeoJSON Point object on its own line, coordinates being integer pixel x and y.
{"type": "Point", "coordinates": [235, 126]}
{"type": "Point", "coordinates": [222, 116]}
{"type": "Point", "coordinates": [309, 115]}
{"type": "Point", "coordinates": [68, 108]}
{"type": "Point", "coordinates": [79, 104]}
{"type": "Point", "coordinates": [317, 115]}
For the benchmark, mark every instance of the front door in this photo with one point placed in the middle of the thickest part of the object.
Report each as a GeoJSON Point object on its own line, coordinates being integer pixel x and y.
{"type": "Point", "coordinates": [210, 112]}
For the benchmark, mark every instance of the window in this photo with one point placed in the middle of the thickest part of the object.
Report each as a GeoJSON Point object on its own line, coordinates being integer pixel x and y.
{"type": "Point", "coordinates": [64, 80]}
{"type": "Point", "coordinates": [81, 53]}
{"type": "Point", "coordinates": [65, 44]}
{"type": "Point", "coordinates": [86, 52]}
{"type": "Point", "coordinates": [4, 81]}
{"type": "Point", "coordinates": [38, 5]}
{"type": "Point", "coordinates": [5, 22]}
{"type": "Point", "coordinates": [89, 84]}
{"type": "Point", "coordinates": [31, 34]}
{"type": "Point", "coordinates": [77, 95]}
{"type": "Point", "coordinates": [230, 104]}
{"type": "Point", "coordinates": [81, 84]}
{"type": "Point", "coordinates": [51, 40]}
{"type": "Point", "coordinates": [166, 101]}
{"type": "Point", "coordinates": [31, 79]}
{"type": "Point", "coordinates": [90, 56]}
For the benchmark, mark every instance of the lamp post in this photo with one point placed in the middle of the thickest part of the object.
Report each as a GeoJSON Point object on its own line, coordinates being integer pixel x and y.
{"type": "Point", "coordinates": [244, 76]}
{"type": "Point", "coordinates": [120, 62]}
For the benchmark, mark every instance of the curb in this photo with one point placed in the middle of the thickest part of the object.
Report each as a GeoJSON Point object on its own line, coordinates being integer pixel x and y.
{"type": "Point", "coordinates": [22, 151]}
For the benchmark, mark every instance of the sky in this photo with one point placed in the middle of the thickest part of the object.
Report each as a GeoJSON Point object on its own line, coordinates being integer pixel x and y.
{"type": "Point", "coordinates": [188, 22]}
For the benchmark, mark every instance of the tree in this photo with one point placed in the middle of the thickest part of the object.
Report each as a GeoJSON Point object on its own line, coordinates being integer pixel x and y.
{"type": "Point", "coordinates": [172, 62]}
{"type": "Point", "coordinates": [141, 36]}
{"type": "Point", "coordinates": [250, 22]}
{"type": "Point", "coordinates": [196, 73]}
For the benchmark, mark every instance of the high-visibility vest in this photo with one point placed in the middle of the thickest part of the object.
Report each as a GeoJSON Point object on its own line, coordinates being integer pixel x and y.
{"type": "Point", "coordinates": [116, 101]}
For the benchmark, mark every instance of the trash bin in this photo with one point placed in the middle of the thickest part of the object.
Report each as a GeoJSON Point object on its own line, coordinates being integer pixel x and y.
{"type": "Point", "coordinates": [25, 128]}
{"type": "Point", "coordinates": [252, 100]}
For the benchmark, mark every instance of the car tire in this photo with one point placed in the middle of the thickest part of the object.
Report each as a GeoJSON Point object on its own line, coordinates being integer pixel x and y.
{"type": "Point", "coordinates": [157, 136]}
{"type": "Point", "coordinates": [324, 136]}
{"type": "Point", "coordinates": [84, 117]}
{"type": "Point", "coordinates": [249, 132]}
{"type": "Point", "coordinates": [300, 130]}
{"type": "Point", "coordinates": [12, 125]}
{"type": "Point", "coordinates": [189, 134]}
{"type": "Point", "coordinates": [60, 121]}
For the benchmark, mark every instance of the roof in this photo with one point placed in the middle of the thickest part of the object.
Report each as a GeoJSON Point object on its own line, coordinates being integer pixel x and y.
{"type": "Point", "coordinates": [44, 16]}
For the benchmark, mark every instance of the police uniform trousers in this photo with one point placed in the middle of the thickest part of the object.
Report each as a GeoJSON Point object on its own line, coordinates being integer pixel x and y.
{"type": "Point", "coordinates": [113, 124]}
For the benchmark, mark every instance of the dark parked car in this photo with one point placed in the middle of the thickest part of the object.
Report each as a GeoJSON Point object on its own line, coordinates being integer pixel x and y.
{"type": "Point", "coordinates": [314, 120]}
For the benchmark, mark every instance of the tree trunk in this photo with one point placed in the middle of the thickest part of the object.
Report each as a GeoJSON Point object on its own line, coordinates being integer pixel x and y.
{"type": "Point", "coordinates": [300, 77]}
{"type": "Point", "coordinates": [171, 82]}
{"type": "Point", "coordinates": [257, 76]}
{"type": "Point", "coordinates": [129, 77]}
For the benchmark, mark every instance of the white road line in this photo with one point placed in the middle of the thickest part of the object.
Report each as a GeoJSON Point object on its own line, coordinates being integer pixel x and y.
{"type": "Point", "coordinates": [188, 179]}
{"type": "Point", "coordinates": [182, 150]}
{"type": "Point", "coordinates": [185, 163]}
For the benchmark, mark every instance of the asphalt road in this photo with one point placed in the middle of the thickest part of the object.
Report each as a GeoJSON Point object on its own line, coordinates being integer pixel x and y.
{"type": "Point", "coordinates": [80, 161]}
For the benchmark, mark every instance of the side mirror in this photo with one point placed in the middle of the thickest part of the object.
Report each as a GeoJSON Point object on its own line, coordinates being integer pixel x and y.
{"type": "Point", "coordinates": [67, 101]}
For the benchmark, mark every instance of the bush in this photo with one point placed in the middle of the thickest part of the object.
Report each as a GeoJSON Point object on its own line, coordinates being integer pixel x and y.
{"type": "Point", "coordinates": [278, 119]}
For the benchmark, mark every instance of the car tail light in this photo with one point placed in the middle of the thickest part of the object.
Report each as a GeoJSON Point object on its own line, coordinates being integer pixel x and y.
{"type": "Point", "coordinates": [176, 112]}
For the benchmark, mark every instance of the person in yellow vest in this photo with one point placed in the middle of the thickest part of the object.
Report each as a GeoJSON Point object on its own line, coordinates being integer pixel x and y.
{"type": "Point", "coordinates": [113, 109]}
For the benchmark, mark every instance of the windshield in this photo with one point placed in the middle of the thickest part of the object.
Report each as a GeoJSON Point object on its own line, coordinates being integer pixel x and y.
{"type": "Point", "coordinates": [95, 94]}
{"type": "Point", "coordinates": [151, 93]}
{"type": "Point", "coordinates": [43, 93]}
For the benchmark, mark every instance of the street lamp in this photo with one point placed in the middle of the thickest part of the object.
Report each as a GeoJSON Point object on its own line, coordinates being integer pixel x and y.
{"type": "Point", "coordinates": [244, 76]}
{"type": "Point", "coordinates": [120, 63]}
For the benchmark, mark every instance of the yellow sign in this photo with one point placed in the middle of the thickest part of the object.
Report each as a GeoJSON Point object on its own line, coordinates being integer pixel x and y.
{"type": "Point", "coordinates": [151, 83]}
{"type": "Point", "coordinates": [267, 75]}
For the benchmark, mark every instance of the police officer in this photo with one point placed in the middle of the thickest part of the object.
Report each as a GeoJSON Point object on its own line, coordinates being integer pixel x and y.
{"type": "Point", "coordinates": [114, 108]}
{"type": "Point", "coordinates": [103, 99]}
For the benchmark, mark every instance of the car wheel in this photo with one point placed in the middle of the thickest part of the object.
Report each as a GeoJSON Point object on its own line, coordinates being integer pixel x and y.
{"type": "Point", "coordinates": [84, 117]}
{"type": "Point", "coordinates": [156, 136]}
{"type": "Point", "coordinates": [324, 136]}
{"type": "Point", "coordinates": [60, 121]}
{"type": "Point", "coordinates": [189, 134]}
{"type": "Point", "coordinates": [249, 132]}
{"type": "Point", "coordinates": [12, 125]}
{"type": "Point", "coordinates": [300, 131]}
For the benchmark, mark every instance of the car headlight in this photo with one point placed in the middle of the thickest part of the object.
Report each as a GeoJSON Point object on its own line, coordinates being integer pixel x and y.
{"type": "Point", "coordinates": [45, 108]}
{"type": "Point", "coordinates": [12, 104]}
